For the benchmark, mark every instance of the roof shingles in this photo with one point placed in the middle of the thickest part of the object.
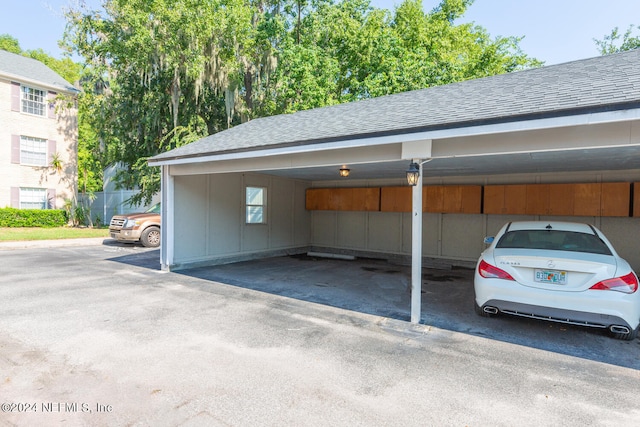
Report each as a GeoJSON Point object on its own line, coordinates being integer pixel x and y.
{"type": "Point", "coordinates": [563, 89]}
{"type": "Point", "coordinates": [20, 66]}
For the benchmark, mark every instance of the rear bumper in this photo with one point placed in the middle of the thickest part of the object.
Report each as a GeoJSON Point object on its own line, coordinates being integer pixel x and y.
{"type": "Point", "coordinates": [595, 308]}
{"type": "Point", "coordinates": [593, 320]}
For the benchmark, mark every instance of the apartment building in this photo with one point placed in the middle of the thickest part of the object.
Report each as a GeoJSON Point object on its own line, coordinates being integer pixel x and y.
{"type": "Point", "coordinates": [38, 135]}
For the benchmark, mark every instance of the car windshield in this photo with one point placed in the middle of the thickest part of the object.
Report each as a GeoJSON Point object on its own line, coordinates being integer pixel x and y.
{"type": "Point", "coordinates": [154, 209]}
{"type": "Point", "coordinates": [555, 240]}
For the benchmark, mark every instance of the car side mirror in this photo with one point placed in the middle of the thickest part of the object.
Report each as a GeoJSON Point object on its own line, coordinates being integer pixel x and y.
{"type": "Point", "coordinates": [488, 240]}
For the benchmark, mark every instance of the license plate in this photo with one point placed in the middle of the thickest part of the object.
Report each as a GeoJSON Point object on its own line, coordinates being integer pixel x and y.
{"type": "Point", "coordinates": [551, 276]}
{"type": "Point", "coordinates": [113, 235]}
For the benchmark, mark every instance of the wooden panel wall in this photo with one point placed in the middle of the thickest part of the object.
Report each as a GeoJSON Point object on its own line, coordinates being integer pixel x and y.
{"type": "Point", "coordinates": [579, 199]}
{"type": "Point", "coordinates": [505, 199]}
{"type": "Point", "coordinates": [396, 199]}
{"type": "Point", "coordinates": [453, 199]}
{"type": "Point", "coordinates": [343, 199]}
{"type": "Point", "coordinates": [590, 199]}
{"type": "Point", "coordinates": [615, 199]}
{"type": "Point", "coordinates": [435, 198]}
{"type": "Point", "coordinates": [563, 192]}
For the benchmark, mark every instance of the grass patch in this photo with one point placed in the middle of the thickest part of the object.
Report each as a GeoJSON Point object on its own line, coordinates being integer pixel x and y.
{"type": "Point", "coordinates": [8, 234]}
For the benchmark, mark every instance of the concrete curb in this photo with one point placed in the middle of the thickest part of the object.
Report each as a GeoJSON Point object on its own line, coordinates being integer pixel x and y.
{"type": "Point", "coordinates": [94, 241]}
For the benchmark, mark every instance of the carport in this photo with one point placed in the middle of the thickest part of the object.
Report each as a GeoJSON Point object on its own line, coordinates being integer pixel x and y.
{"type": "Point", "coordinates": [558, 142]}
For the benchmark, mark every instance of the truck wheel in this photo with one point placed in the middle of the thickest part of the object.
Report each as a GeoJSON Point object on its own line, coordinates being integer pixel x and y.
{"type": "Point", "coordinates": [150, 237]}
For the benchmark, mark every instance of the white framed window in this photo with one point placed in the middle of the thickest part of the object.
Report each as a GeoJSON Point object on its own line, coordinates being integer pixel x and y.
{"type": "Point", "coordinates": [33, 198]}
{"type": "Point", "coordinates": [33, 151]}
{"type": "Point", "coordinates": [33, 101]}
{"type": "Point", "coordinates": [256, 205]}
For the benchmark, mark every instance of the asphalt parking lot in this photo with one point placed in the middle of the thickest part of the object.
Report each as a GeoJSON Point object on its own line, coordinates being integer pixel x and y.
{"type": "Point", "coordinates": [98, 335]}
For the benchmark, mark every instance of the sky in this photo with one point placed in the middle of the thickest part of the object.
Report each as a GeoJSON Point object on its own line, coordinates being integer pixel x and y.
{"type": "Point", "coordinates": [554, 31]}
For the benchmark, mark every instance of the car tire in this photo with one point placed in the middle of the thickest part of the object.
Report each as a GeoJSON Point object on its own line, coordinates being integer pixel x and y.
{"type": "Point", "coordinates": [626, 337]}
{"type": "Point", "coordinates": [480, 311]}
{"type": "Point", "coordinates": [150, 237]}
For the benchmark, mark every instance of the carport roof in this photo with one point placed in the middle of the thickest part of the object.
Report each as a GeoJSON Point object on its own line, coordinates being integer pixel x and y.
{"type": "Point", "coordinates": [606, 83]}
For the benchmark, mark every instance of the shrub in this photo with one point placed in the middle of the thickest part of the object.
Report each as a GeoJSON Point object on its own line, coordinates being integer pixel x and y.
{"type": "Point", "coordinates": [11, 217]}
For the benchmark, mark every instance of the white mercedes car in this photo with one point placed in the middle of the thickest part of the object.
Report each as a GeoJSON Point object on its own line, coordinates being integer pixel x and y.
{"type": "Point", "coordinates": [561, 272]}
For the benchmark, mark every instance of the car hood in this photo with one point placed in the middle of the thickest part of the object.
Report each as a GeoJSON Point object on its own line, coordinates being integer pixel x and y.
{"type": "Point", "coordinates": [139, 216]}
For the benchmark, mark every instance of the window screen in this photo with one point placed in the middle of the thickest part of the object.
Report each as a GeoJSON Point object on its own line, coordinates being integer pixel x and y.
{"type": "Point", "coordinates": [34, 101]}
{"type": "Point", "coordinates": [256, 202]}
{"type": "Point", "coordinates": [33, 198]}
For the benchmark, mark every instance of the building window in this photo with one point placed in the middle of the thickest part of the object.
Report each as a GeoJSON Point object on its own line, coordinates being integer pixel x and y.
{"type": "Point", "coordinates": [33, 151]}
{"type": "Point", "coordinates": [256, 205]}
{"type": "Point", "coordinates": [34, 101]}
{"type": "Point", "coordinates": [33, 198]}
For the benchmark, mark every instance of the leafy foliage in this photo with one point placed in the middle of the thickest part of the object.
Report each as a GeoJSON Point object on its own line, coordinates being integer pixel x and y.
{"type": "Point", "coordinates": [10, 44]}
{"type": "Point", "coordinates": [167, 72]}
{"type": "Point", "coordinates": [615, 42]}
{"type": "Point", "coordinates": [91, 152]}
{"type": "Point", "coordinates": [162, 65]}
{"type": "Point", "coordinates": [12, 217]}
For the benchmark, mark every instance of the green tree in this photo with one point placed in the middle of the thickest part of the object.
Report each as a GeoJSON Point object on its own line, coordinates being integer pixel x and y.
{"type": "Point", "coordinates": [10, 44]}
{"type": "Point", "coordinates": [346, 51]}
{"type": "Point", "coordinates": [176, 70]}
{"type": "Point", "coordinates": [615, 42]}
{"type": "Point", "coordinates": [90, 150]}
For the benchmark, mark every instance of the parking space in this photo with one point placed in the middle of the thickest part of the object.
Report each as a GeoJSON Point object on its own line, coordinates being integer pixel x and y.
{"type": "Point", "coordinates": [284, 341]}
{"type": "Point", "coordinates": [380, 288]}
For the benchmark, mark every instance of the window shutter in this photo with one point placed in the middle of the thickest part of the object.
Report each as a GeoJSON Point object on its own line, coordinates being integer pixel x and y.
{"type": "Point", "coordinates": [51, 198]}
{"type": "Point", "coordinates": [51, 98]}
{"type": "Point", "coordinates": [15, 96]}
{"type": "Point", "coordinates": [51, 150]}
{"type": "Point", "coordinates": [15, 197]}
{"type": "Point", "coordinates": [15, 149]}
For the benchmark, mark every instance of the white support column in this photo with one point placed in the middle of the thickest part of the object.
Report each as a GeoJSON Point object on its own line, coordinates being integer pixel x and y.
{"type": "Point", "coordinates": [416, 248]}
{"type": "Point", "coordinates": [167, 219]}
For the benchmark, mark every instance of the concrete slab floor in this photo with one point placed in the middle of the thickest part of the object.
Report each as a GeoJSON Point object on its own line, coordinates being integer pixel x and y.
{"type": "Point", "coordinates": [382, 289]}
{"type": "Point", "coordinates": [99, 336]}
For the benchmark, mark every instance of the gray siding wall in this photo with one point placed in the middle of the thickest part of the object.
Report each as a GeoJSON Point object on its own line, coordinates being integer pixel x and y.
{"type": "Point", "coordinates": [210, 224]}
{"type": "Point", "coordinates": [210, 218]}
{"type": "Point", "coordinates": [457, 237]}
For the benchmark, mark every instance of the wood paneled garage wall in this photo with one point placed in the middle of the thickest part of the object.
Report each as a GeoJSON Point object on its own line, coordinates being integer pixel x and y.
{"type": "Point", "coordinates": [581, 199]}
{"type": "Point", "coordinates": [435, 198]}
{"type": "Point", "coordinates": [459, 214]}
{"type": "Point", "coordinates": [573, 199]}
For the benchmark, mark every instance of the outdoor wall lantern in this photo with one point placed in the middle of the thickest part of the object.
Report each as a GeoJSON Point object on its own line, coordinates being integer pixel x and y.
{"type": "Point", "coordinates": [344, 172]}
{"type": "Point", "coordinates": [413, 173]}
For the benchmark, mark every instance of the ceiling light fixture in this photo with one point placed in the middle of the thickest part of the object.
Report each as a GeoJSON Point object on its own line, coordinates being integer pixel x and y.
{"type": "Point", "coordinates": [344, 172]}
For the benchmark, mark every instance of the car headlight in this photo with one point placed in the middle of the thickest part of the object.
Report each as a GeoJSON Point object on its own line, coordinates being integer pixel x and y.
{"type": "Point", "coordinates": [130, 223]}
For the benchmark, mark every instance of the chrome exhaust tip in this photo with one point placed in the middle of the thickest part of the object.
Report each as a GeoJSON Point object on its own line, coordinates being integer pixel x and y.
{"type": "Point", "coordinates": [490, 310]}
{"type": "Point", "coordinates": [616, 329]}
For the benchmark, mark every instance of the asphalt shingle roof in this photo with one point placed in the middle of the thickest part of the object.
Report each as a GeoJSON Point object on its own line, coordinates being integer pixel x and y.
{"type": "Point", "coordinates": [17, 66]}
{"type": "Point", "coordinates": [603, 83]}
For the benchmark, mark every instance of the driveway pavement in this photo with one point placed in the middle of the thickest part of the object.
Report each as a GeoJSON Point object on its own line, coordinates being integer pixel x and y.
{"type": "Point", "coordinates": [98, 335]}
{"type": "Point", "coordinates": [382, 289]}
